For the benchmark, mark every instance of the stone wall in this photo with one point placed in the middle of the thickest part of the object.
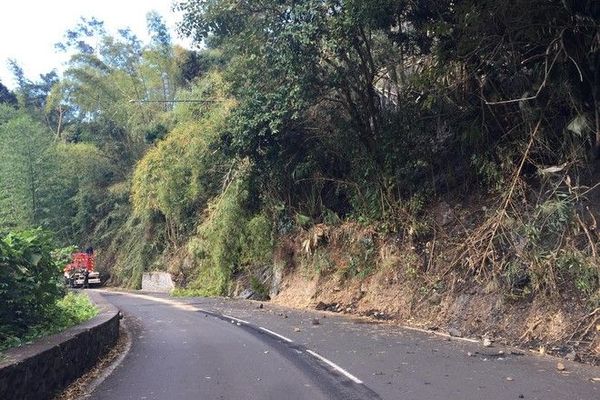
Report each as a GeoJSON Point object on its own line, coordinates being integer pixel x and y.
{"type": "Point", "coordinates": [40, 370]}
{"type": "Point", "coordinates": [157, 282]}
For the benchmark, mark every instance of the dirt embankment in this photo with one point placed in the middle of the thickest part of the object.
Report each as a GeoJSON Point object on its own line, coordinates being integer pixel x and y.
{"type": "Point", "coordinates": [353, 269]}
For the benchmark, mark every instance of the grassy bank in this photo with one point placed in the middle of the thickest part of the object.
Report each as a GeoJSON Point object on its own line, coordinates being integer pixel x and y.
{"type": "Point", "coordinates": [69, 311]}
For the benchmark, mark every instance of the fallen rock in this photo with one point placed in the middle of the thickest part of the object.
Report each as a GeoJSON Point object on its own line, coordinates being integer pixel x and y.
{"type": "Point", "coordinates": [508, 378]}
{"type": "Point", "coordinates": [444, 214]}
{"type": "Point", "coordinates": [296, 329]}
{"type": "Point", "coordinates": [454, 332]}
{"type": "Point", "coordinates": [246, 294]}
{"type": "Point", "coordinates": [315, 321]}
{"type": "Point", "coordinates": [487, 342]}
{"type": "Point", "coordinates": [572, 356]}
{"type": "Point", "coordinates": [435, 299]}
{"type": "Point", "coordinates": [560, 366]}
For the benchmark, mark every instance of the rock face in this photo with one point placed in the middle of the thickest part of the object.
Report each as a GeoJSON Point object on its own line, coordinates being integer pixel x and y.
{"type": "Point", "coordinates": [157, 282]}
{"type": "Point", "coordinates": [40, 370]}
{"type": "Point", "coordinates": [276, 280]}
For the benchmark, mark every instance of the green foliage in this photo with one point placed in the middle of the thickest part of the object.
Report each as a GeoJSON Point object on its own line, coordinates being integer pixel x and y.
{"type": "Point", "coordinates": [361, 259]}
{"type": "Point", "coordinates": [45, 183]}
{"type": "Point", "coordinates": [62, 256]}
{"type": "Point", "coordinates": [219, 240]}
{"type": "Point", "coordinates": [132, 249]}
{"type": "Point", "coordinates": [6, 96]}
{"type": "Point", "coordinates": [321, 262]}
{"type": "Point", "coordinates": [539, 259]}
{"type": "Point", "coordinates": [229, 239]}
{"type": "Point", "coordinates": [69, 311]}
{"type": "Point", "coordinates": [26, 170]}
{"type": "Point", "coordinates": [30, 281]}
{"type": "Point", "coordinates": [74, 309]}
{"type": "Point", "coordinates": [304, 112]}
{"type": "Point", "coordinates": [580, 270]}
{"type": "Point", "coordinates": [259, 288]}
{"type": "Point", "coordinates": [257, 241]}
{"type": "Point", "coordinates": [180, 174]}
{"type": "Point", "coordinates": [79, 187]}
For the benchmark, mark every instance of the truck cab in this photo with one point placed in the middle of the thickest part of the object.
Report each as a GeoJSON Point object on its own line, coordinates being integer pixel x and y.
{"type": "Point", "coordinates": [80, 265]}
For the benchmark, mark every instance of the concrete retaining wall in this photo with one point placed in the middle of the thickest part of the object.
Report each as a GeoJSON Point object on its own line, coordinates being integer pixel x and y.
{"type": "Point", "coordinates": [157, 282]}
{"type": "Point", "coordinates": [42, 369]}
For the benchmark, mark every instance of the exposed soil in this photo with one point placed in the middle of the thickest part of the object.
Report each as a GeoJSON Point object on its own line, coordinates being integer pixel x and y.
{"type": "Point", "coordinates": [400, 288]}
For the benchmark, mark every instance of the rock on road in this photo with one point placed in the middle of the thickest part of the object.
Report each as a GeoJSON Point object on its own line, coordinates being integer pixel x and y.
{"type": "Point", "coordinates": [224, 349]}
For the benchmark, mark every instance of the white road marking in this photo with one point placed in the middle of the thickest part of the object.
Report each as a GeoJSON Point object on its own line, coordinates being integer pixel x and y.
{"type": "Point", "coordinates": [176, 304]}
{"type": "Point", "coordinates": [336, 367]}
{"type": "Point", "coordinates": [276, 334]}
{"type": "Point", "coordinates": [188, 307]}
{"type": "Point", "coordinates": [235, 319]}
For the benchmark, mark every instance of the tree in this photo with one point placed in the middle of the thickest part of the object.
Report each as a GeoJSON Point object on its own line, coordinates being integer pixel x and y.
{"type": "Point", "coordinates": [6, 96]}
{"type": "Point", "coordinates": [530, 54]}
{"type": "Point", "coordinates": [26, 167]}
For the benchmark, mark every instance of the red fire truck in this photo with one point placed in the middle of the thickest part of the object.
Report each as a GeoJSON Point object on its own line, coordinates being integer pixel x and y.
{"type": "Point", "coordinates": [75, 272]}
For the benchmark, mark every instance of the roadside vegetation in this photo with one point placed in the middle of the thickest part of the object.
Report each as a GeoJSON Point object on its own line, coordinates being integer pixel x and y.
{"type": "Point", "coordinates": [34, 300]}
{"type": "Point", "coordinates": [454, 143]}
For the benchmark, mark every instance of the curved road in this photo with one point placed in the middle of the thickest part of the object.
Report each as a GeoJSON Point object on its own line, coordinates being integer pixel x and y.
{"type": "Point", "coordinates": [184, 353]}
{"type": "Point", "coordinates": [223, 349]}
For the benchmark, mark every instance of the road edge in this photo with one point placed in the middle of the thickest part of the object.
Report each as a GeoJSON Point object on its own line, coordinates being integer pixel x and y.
{"type": "Point", "coordinates": [45, 367]}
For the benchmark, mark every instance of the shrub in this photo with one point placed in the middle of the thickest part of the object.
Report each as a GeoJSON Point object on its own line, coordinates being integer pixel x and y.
{"type": "Point", "coordinates": [30, 281]}
{"type": "Point", "coordinates": [229, 240]}
{"type": "Point", "coordinates": [71, 310]}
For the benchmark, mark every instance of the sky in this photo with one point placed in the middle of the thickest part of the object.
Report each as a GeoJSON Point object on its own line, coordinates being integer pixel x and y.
{"type": "Point", "coordinates": [30, 28]}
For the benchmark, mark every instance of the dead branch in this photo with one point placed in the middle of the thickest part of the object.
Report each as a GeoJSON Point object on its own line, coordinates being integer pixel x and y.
{"type": "Point", "coordinates": [517, 174]}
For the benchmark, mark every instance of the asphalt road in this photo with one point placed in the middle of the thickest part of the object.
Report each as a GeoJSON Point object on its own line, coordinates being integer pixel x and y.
{"type": "Point", "coordinates": [229, 349]}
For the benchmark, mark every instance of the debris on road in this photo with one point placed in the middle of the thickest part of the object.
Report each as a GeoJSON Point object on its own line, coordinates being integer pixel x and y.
{"type": "Point", "coordinates": [454, 332]}
{"type": "Point", "coordinates": [572, 356]}
{"type": "Point", "coordinates": [246, 294]}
